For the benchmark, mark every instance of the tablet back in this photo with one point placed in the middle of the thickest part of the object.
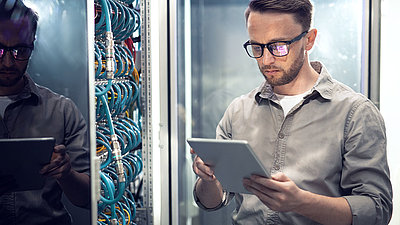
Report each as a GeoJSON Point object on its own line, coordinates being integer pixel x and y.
{"type": "Point", "coordinates": [231, 160]}
{"type": "Point", "coordinates": [23, 158]}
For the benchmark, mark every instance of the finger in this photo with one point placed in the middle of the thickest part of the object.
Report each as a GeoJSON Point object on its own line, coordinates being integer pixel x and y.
{"type": "Point", "coordinates": [200, 170]}
{"type": "Point", "coordinates": [280, 177]}
{"type": "Point", "coordinates": [59, 171]}
{"type": "Point", "coordinates": [267, 182]}
{"type": "Point", "coordinates": [264, 198]}
{"type": "Point", "coordinates": [196, 161]}
{"type": "Point", "coordinates": [56, 173]}
{"type": "Point", "coordinates": [203, 175]}
{"type": "Point", "coordinates": [54, 164]}
{"type": "Point", "coordinates": [260, 187]}
{"type": "Point", "coordinates": [205, 168]}
{"type": "Point", "coordinates": [192, 151]}
{"type": "Point", "coordinates": [59, 149]}
{"type": "Point", "coordinates": [206, 177]}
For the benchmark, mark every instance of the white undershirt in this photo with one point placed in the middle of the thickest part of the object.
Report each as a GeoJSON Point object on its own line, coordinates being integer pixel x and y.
{"type": "Point", "coordinates": [289, 101]}
{"type": "Point", "coordinates": [4, 102]}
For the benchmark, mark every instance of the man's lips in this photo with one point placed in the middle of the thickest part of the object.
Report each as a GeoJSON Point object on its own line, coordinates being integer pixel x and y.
{"type": "Point", "coordinates": [8, 72]}
{"type": "Point", "coordinates": [271, 71]}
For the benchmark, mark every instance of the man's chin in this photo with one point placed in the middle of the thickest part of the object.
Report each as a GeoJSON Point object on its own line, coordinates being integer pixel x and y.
{"type": "Point", "coordinates": [9, 82]}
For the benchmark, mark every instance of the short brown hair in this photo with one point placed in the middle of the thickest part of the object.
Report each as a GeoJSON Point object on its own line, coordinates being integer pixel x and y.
{"type": "Point", "coordinates": [302, 9]}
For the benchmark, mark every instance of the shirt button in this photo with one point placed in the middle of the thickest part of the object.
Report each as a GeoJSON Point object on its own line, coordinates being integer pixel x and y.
{"type": "Point", "coordinates": [277, 167]}
{"type": "Point", "coordinates": [281, 135]}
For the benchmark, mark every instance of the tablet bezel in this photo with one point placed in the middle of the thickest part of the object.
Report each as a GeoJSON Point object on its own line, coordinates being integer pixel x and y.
{"type": "Point", "coordinates": [23, 158]}
{"type": "Point", "coordinates": [231, 160]}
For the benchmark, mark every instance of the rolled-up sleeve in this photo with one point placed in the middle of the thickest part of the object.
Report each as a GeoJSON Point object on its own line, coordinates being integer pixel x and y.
{"type": "Point", "coordinates": [365, 175]}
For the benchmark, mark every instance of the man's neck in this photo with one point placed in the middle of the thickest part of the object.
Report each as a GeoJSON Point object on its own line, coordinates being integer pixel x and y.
{"type": "Point", "coordinates": [304, 81]}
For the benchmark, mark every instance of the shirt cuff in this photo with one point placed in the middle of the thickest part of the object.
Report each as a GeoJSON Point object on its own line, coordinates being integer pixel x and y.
{"type": "Point", "coordinates": [362, 209]}
{"type": "Point", "coordinates": [226, 197]}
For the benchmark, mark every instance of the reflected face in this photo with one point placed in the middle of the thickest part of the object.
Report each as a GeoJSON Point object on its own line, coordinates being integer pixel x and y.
{"type": "Point", "coordinates": [270, 27]}
{"type": "Point", "coordinates": [14, 34]}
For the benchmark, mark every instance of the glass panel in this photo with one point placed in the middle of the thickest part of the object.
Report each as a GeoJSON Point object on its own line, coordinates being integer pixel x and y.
{"type": "Point", "coordinates": [340, 39]}
{"type": "Point", "coordinates": [60, 61]}
{"type": "Point", "coordinates": [213, 69]}
{"type": "Point", "coordinates": [389, 95]}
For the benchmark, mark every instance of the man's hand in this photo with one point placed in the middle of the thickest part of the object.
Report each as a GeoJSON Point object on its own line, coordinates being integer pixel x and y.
{"type": "Point", "coordinates": [202, 170]}
{"type": "Point", "coordinates": [208, 189]}
{"type": "Point", "coordinates": [59, 166]}
{"type": "Point", "coordinates": [278, 193]}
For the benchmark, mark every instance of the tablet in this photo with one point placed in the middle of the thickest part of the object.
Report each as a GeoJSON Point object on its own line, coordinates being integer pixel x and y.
{"type": "Point", "coordinates": [231, 160]}
{"type": "Point", "coordinates": [23, 158]}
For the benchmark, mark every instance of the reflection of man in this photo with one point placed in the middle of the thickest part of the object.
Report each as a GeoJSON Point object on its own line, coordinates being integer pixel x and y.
{"type": "Point", "coordinates": [29, 110]}
{"type": "Point", "coordinates": [324, 144]}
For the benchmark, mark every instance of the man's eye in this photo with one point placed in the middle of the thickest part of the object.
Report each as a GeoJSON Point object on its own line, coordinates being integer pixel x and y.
{"type": "Point", "coordinates": [256, 48]}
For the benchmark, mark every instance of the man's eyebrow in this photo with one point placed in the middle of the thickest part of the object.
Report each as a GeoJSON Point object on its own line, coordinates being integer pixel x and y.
{"type": "Point", "coordinates": [283, 39]}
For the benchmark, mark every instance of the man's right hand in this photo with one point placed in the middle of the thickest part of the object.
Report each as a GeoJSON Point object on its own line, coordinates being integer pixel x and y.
{"type": "Point", "coordinates": [201, 169]}
{"type": "Point", "coordinates": [208, 188]}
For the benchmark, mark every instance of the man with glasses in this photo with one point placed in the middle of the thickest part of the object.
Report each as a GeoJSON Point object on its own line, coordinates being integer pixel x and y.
{"type": "Point", "coordinates": [29, 110]}
{"type": "Point", "coordinates": [324, 144]}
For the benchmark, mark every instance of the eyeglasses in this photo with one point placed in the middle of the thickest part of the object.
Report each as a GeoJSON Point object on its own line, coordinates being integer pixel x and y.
{"type": "Point", "coordinates": [18, 52]}
{"type": "Point", "coordinates": [276, 48]}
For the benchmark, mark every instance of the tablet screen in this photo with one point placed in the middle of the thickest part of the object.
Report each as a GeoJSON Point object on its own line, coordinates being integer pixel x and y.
{"type": "Point", "coordinates": [23, 158]}
{"type": "Point", "coordinates": [231, 160]}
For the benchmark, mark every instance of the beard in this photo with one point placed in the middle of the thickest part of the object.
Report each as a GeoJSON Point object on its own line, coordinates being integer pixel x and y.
{"type": "Point", "coordinates": [10, 79]}
{"type": "Point", "coordinates": [287, 75]}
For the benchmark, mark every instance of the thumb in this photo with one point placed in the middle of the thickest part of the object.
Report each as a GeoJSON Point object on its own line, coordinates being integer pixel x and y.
{"type": "Point", "coordinates": [280, 177]}
{"type": "Point", "coordinates": [59, 149]}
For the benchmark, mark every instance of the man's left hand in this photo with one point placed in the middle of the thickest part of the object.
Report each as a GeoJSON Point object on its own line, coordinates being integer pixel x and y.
{"type": "Point", "coordinates": [279, 193]}
{"type": "Point", "coordinates": [59, 166]}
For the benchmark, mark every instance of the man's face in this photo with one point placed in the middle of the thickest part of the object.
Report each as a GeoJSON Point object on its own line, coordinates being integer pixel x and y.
{"type": "Point", "coordinates": [14, 34]}
{"type": "Point", "coordinates": [269, 27]}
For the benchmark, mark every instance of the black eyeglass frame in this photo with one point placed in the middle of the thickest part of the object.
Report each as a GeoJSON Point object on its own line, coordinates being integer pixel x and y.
{"type": "Point", "coordinates": [268, 46]}
{"type": "Point", "coordinates": [11, 49]}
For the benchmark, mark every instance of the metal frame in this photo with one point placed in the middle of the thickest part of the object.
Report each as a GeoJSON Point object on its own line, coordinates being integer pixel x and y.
{"type": "Point", "coordinates": [168, 120]}
{"type": "Point", "coordinates": [374, 51]}
{"type": "Point", "coordinates": [146, 214]}
{"type": "Point", "coordinates": [94, 162]}
{"type": "Point", "coordinates": [173, 97]}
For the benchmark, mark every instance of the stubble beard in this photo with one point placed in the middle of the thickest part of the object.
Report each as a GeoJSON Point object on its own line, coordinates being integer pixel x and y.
{"type": "Point", "coordinates": [287, 75]}
{"type": "Point", "coordinates": [10, 81]}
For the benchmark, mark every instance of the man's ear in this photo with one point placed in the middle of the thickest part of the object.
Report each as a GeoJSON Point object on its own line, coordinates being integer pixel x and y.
{"type": "Point", "coordinates": [311, 36]}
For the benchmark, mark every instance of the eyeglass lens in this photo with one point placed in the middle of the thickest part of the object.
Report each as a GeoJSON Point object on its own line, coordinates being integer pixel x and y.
{"type": "Point", "coordinates": [276, 49]}
{"type": "Point", "coordinates": [19, 53]}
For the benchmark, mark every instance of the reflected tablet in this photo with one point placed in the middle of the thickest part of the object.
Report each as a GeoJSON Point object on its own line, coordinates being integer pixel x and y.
{"type": "Point", "coordinates": [23, 158]}
{"type": "Point", "coordinates": [231, 160]}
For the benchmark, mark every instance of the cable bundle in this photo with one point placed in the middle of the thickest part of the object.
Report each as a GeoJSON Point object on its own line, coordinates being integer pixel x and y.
{"type": "Point", "coordinates": [118, 117]}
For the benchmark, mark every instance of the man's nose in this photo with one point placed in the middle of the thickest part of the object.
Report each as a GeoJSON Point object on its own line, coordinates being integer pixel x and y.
{"type": "Point", "coordinates": [7, 59]}
{"type": "Point", "coordinates": [267, 58]}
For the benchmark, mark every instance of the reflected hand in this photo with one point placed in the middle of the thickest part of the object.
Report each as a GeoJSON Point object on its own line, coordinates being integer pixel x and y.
{"type": "Point", "coordinates": [279, 193]}
{"type": "Point", "coordinates": [201, 169]}
{"type": "Point", "coordinates": [59, 166]}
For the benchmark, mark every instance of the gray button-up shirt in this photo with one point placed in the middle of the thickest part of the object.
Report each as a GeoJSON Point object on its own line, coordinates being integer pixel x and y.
{"type": "Point", "coordinates": [332, 143]}
{"type": "Point", "coordinates": [39, 112]}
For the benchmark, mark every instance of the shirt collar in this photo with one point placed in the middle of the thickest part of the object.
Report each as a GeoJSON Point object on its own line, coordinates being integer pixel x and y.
{"type": "Point", "coordinates": [30, 90]}
{"type": "Point", "coordinates": [323, 86]}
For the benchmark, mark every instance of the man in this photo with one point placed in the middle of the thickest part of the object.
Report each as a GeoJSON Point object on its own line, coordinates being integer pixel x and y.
{"type": "Point", "coordinates": [324, 144]}
{"type": "Point", "coordinates": [29, 110]}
